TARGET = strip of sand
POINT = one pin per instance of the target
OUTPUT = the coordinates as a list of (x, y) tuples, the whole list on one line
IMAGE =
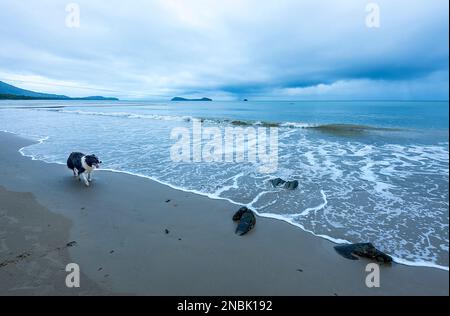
[(119, 225), (33, 249)]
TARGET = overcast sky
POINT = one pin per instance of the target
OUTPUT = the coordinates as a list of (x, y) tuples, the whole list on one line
[(228, 49)]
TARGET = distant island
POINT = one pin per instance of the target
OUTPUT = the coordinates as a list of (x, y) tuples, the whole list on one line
[(185, 99), (10, 92)]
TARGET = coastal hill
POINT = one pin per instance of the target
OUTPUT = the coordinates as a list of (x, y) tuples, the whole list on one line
[(185, 99), (10, 92)]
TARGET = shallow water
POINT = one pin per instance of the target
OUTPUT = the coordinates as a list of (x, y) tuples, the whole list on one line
[(368, 171)]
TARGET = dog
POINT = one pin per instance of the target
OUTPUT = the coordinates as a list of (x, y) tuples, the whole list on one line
[(81, 164)]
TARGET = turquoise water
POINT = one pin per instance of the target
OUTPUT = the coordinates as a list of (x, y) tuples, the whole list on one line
[(368, 171)]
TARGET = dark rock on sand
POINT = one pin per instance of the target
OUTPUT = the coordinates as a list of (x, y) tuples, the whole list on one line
[(71, 244), (277, 182), (237, 216), (247, 220), (291, 185), (365, 250)]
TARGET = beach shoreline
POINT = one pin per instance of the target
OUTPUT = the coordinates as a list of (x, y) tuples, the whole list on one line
[(119, 225)]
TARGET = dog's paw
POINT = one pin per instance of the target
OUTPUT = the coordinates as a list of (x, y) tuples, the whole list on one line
[(87, 183)]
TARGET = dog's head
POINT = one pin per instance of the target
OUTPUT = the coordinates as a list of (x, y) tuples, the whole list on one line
[(92, 161)]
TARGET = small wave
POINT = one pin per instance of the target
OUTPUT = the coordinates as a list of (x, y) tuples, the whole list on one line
[(351, 129), (185, 118), (297, 125), (341, 128), (255, 123), (129, 115)]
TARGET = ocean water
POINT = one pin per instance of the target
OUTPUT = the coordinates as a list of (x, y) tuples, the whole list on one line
[(367, 171)]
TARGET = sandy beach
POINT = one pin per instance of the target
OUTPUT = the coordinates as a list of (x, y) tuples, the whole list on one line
[(115, 231)]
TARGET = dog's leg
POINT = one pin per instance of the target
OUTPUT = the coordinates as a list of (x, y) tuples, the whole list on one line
[(86, 182), (89, 177), (76, 173)]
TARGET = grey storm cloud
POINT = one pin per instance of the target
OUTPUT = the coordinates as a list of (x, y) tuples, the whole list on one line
[(229, 48)]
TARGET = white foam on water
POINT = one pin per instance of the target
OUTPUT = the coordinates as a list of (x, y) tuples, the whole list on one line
[(228, 187), (257, 197), (128, 115), (297, 125), (316, 208)]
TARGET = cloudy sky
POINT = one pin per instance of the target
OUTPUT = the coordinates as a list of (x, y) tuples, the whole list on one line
[(228, 49)]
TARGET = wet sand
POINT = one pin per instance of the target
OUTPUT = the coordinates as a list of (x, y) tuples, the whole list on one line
[(121, 245)]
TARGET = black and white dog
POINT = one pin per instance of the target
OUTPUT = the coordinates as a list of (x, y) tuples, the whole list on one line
[(82, 164)]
